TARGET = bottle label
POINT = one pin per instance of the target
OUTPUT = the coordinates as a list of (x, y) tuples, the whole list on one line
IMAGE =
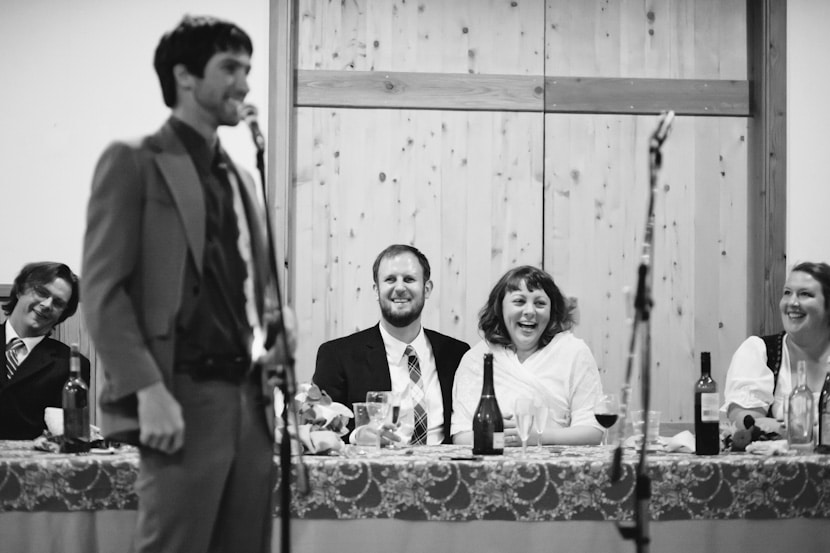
[(709, 407), (498, 440), (76, 423), (824, 439)]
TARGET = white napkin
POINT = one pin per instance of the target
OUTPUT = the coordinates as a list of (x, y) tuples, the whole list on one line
[(683, 442), (772, 447), (319, 441), (54, 420)]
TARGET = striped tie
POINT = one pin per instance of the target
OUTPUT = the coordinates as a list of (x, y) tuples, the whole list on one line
[(419, 435), (14, 349)]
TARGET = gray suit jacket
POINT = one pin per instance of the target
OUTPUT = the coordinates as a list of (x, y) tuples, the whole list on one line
[(145, 223)]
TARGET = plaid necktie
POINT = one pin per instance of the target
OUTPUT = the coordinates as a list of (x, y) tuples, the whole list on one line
[(419, 435), (14, 349)]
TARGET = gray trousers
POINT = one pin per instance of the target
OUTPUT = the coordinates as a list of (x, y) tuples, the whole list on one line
[(214, 495)]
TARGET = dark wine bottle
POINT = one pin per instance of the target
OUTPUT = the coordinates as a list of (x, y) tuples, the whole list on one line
[(75, 401), (707, 404), (824, 411), (488, 426)]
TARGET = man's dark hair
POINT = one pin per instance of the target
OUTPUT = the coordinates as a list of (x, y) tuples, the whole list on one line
[(820, 272), (398, 249), (491, 317), (192, 43), (41, 274)]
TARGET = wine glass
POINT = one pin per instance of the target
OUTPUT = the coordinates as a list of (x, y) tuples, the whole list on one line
[(377, 415), (524, 410), (540, 420), (385, 397), (606, 411)]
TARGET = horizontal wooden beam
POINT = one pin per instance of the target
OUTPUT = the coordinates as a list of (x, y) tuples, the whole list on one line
[(475, 92), (647, 96), (442, 91)]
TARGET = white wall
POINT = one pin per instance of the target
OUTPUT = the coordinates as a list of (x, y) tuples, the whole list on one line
[(808, 131), (75, 75)]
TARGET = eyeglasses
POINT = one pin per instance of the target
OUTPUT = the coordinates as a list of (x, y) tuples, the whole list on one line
[(41, 293)]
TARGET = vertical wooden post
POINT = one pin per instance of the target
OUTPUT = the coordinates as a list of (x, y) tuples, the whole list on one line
[(281, 124), (766, 37)]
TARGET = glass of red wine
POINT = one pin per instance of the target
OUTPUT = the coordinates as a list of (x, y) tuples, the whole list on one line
[(606, 411)]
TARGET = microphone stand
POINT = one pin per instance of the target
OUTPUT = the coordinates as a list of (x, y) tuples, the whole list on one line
[(641, 327), (288, 382)]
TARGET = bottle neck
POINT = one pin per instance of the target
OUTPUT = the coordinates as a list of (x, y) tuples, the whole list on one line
[(705, 365), (487, 388), (801, 374)]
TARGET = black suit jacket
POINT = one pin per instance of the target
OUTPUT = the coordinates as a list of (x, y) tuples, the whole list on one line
[(36, 385), (349, 367)]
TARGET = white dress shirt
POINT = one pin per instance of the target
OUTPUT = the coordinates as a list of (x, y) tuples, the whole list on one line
[(399, 374)]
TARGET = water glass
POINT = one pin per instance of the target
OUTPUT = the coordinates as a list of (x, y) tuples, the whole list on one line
[(364, 431), (653, 437)]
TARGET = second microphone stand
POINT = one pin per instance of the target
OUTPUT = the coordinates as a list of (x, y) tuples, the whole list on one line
[(641, 328)]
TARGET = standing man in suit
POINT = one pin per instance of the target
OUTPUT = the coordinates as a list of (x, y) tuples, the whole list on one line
[(36, 366), (397, 354), (176, 280)]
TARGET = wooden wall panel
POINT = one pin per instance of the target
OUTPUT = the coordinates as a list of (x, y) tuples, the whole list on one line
[(480, 191), (651, 39), (465, 188), (597, 184)]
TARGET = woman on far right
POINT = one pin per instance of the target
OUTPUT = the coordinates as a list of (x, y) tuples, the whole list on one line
[(762, 372)]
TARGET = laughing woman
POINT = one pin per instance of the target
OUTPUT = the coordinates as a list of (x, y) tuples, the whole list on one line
[(762, 371), (526, 326)]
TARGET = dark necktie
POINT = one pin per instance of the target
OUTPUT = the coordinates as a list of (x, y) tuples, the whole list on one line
[(14, 350), (419, 434)]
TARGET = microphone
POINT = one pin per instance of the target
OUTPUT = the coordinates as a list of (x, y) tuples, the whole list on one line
[(248, 113), (663, 129)]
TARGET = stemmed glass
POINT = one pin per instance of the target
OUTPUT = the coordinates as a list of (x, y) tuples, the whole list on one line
[(393, 406), (524, 410), (606, 411), (540, 420), (377, 415)]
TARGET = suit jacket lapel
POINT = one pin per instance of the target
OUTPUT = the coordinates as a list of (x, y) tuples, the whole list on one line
[(376, 360), (39, 359), (183, 182), (257, 232)]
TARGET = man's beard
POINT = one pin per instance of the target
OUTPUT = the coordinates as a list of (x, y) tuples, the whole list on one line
[(400, 320)]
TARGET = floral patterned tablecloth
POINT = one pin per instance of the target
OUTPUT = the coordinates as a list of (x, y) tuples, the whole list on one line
[(426, 483)]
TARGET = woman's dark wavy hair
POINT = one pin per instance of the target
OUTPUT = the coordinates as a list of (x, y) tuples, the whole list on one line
[(192, 43), (491, 317), (820, 272), (41, 274)]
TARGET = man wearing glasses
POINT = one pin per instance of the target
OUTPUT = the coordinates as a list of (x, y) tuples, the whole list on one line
[(35, 366)]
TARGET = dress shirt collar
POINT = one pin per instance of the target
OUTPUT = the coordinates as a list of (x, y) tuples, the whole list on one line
[(201, 152), (30, 342), (395, 349)]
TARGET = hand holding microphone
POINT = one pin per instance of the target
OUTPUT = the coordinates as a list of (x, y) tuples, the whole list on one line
[(248, 113)]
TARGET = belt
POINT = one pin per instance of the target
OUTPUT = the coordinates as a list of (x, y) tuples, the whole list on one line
[(217, 367)]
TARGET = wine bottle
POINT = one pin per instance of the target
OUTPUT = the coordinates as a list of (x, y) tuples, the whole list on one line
[(707, 403), (488, 426), (800, 412), (75, 399), (824, 410)]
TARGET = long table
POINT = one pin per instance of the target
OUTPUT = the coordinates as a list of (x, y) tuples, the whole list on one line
[(425, 499)]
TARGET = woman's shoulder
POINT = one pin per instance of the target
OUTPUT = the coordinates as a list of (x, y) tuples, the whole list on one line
[(567, 339), (477, 351)]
